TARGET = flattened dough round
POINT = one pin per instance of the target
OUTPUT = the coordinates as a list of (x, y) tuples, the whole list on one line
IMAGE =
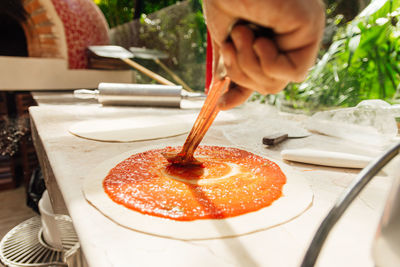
[(139, 128), (297, 197), (132, 129)]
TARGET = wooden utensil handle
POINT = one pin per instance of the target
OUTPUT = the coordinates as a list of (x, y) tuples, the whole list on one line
[(147, 72), (274, 139), (176, 77)]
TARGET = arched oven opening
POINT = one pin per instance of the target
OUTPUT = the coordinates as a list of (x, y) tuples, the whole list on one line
[(17, 159), (14, 41)]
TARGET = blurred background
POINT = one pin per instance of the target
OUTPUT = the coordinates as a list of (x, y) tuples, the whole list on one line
[(359, 57)]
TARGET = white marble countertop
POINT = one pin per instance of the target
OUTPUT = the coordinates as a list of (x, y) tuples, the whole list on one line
[(105, 243)]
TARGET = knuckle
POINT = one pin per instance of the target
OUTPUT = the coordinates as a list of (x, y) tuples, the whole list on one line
[(299, 75), (306, 20), (267, 89), (239, 79), (266, 67), (275, 90), (278, 86)]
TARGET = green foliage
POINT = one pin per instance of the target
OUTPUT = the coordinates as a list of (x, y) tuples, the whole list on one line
[(174, 27), (118, 12), (363, 62), (153, 6), (181, 32)]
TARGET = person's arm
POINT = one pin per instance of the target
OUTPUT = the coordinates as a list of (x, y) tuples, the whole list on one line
[(261, 64)]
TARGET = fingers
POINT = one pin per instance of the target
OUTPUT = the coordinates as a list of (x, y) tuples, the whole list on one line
[(233, 69), (261, 64), (246, 59), (234, 97), (289, 65), (283, 16), (243, 65)]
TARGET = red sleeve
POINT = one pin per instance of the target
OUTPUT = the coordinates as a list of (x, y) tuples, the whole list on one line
[(209, 56)]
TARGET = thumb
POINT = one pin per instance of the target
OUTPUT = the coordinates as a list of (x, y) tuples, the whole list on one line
[(235, 96)]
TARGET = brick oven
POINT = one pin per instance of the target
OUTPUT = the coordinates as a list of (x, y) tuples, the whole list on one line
[(57, 28), (43, 47)]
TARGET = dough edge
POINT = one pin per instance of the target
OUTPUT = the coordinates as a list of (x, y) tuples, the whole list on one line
[(297, 198), (127, 130)]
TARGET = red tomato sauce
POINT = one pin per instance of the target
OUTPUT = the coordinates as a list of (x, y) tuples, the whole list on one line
[(230, 182)]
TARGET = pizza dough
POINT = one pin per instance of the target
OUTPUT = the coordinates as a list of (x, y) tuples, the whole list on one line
[(132, 129), (297, 197), (139, 128)]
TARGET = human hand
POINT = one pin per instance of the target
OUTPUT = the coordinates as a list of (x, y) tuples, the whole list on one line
[(261, 64)]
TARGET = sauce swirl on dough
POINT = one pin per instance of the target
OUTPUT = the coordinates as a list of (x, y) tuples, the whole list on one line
[(230, 182)]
